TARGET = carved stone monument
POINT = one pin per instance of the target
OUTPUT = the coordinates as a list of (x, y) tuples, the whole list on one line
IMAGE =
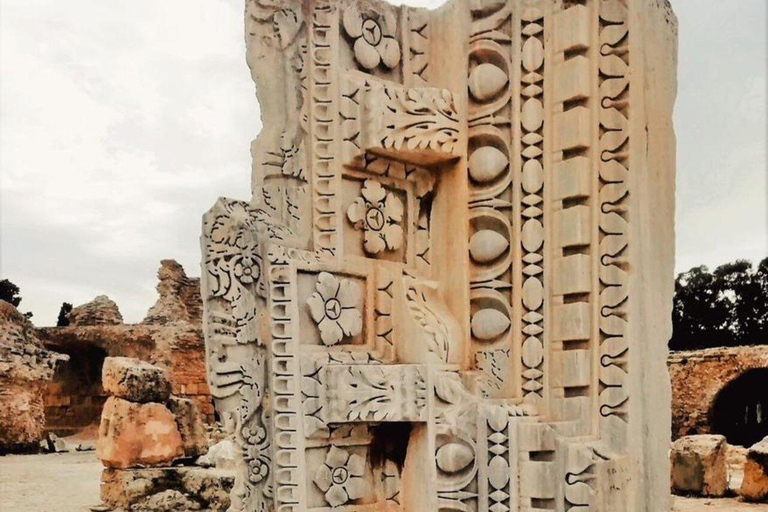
[(451, 289)]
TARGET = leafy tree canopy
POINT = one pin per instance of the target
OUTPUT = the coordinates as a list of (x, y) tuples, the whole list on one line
[(63, 321), (9, 292), (723, 308)]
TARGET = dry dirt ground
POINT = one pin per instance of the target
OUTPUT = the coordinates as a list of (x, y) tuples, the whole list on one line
[(69, 482)]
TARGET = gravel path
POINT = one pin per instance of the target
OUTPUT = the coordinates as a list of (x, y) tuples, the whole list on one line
[(69, 482)]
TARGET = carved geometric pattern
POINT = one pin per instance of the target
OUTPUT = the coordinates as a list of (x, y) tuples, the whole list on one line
[(426, 304)]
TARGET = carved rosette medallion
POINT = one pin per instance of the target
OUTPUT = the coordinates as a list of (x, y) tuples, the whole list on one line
[(451, 260)]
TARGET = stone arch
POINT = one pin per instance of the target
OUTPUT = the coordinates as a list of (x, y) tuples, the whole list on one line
[(740, 409), (699, 376)]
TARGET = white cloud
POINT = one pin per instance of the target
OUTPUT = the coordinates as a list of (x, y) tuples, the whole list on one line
[(123, 121)]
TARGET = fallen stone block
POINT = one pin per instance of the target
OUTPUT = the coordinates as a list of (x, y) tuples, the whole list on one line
[(132, 435), (190, 423), (754, 486), (222, 455), (699, 465), (135, 380), (131, 489)]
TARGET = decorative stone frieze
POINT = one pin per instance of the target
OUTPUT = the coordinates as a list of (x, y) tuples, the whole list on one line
[(451, 287)]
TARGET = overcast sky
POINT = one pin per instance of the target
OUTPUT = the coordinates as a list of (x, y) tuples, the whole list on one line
[(121, 122)]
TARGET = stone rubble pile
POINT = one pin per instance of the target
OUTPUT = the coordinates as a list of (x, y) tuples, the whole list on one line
[(100, 311), (147, 439), (706, 466)]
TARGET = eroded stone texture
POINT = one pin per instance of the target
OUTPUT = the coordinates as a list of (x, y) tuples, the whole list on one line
[(451, 288), (100, 311), (25, 368), (699, 376), (754, 487), (135, 380), (179, 299), (171, 337), (191, 426), (140, 489), (137, 434), (699, 465)]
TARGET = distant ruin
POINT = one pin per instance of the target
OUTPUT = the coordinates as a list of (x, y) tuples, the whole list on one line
[(170, 336), (721, 391)]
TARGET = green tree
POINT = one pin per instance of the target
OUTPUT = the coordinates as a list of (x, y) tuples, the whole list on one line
[(9, 292), (63, 321), (726, 307)]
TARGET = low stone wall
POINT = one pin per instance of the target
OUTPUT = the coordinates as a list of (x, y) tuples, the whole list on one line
[(699, 376)]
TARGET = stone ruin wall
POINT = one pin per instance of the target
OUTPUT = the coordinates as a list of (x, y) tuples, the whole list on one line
[(451, 288), (170, 336), (25, 369), (698, 377)]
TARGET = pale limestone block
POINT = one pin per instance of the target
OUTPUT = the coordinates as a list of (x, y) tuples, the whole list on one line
[(135, 380), (459, 258), (699, 466)]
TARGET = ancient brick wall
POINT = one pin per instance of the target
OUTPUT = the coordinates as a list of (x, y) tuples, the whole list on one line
[(170, 336), (699, 376)]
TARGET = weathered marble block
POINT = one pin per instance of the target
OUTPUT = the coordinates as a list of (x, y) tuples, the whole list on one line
[(451, 288)]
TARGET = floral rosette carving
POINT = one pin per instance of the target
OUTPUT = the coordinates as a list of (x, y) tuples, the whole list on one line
[(374, 36), (378, 214), (335, 308), (341, 477)]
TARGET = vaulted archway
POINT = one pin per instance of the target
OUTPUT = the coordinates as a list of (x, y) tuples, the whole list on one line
[(740, 410)]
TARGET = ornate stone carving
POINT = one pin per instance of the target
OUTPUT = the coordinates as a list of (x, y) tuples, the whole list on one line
[(448, 291)]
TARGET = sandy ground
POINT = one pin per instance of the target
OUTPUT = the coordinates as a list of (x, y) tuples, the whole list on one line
[(69, 482), (715, 505)]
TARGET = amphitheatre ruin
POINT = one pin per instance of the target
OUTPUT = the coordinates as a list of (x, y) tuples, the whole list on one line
[(449, 291)]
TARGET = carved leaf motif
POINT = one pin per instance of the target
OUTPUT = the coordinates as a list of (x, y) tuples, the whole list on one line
[(449, 388), (417, 119), (437, 334)]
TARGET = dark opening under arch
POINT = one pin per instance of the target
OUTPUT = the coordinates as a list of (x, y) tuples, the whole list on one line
[(740, 410)]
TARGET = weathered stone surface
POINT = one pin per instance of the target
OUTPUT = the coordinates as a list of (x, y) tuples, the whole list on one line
[(191, 426), (25, 367), (179, 299), (171, 337), (128, 488), (100, 311), (134, 435), (699, 465), (452, 285), (698, 376), (166, 501), (754, 486), (135, 380), (222, 455)]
